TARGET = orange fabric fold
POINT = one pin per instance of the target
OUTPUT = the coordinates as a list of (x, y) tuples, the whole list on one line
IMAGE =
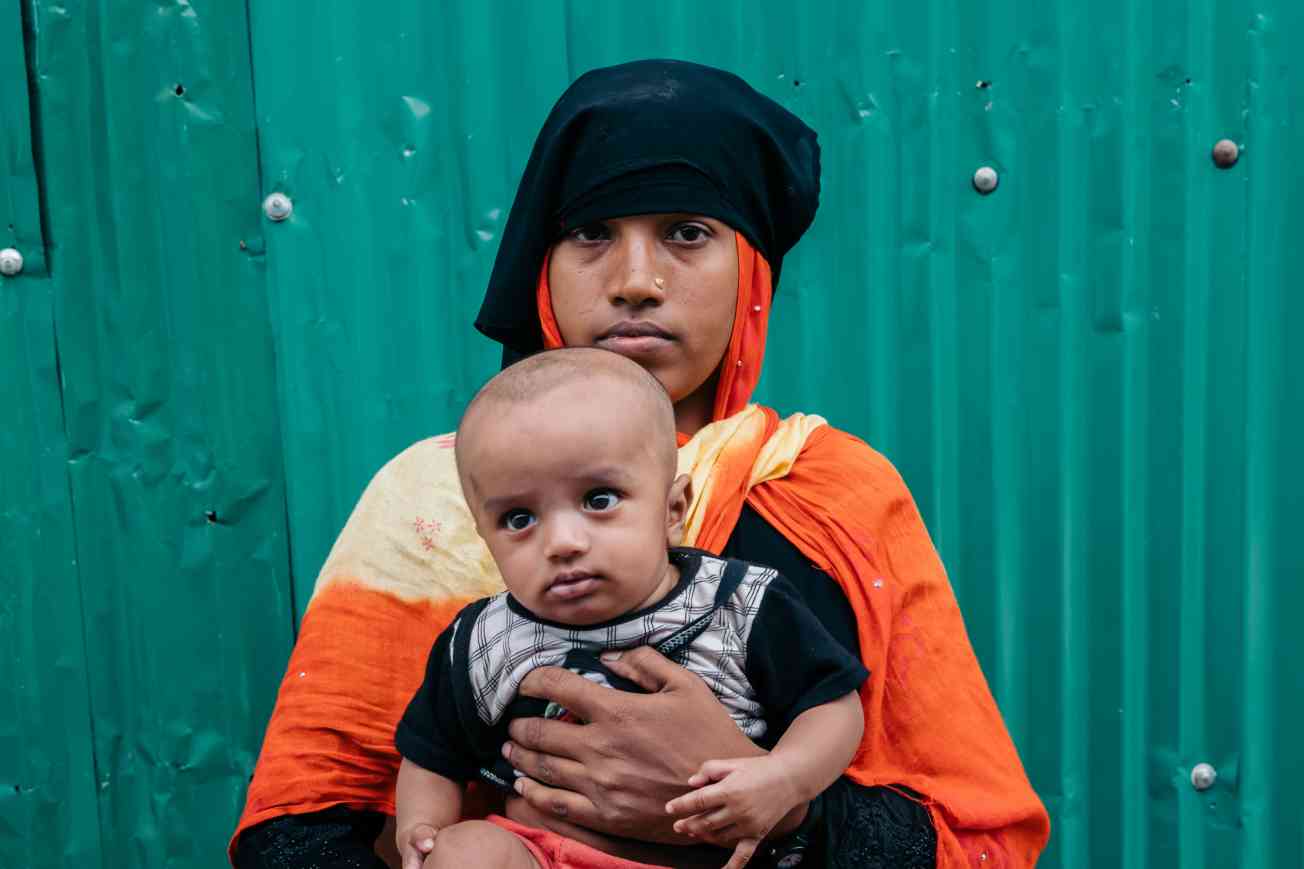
[(344, 669)]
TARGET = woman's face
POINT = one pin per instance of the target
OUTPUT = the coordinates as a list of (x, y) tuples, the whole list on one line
[(658, 288)]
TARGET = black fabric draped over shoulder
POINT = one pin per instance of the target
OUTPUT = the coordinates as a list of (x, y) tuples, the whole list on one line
[(652, 137)]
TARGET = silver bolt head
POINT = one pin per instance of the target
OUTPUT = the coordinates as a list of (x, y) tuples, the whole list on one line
[(985, 180), (1203, 776), (277, 207), (11, 262)]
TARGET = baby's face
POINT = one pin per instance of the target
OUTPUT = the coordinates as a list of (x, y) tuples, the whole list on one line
[(575, 503)]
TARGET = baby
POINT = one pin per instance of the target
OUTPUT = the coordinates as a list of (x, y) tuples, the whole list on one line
[(568, 464)]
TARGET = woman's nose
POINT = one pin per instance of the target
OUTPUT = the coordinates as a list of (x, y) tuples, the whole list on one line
[(566, 538), (635, 280)]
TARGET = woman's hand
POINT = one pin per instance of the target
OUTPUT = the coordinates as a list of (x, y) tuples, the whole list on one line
[(616, 773)]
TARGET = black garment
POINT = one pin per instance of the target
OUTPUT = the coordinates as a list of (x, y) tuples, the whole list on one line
[(334, 838), (851, 825), (630, 139), (742, 628)]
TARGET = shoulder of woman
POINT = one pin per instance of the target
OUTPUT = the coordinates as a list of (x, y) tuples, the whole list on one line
[(411, 534), (430, 460), (841, 456)]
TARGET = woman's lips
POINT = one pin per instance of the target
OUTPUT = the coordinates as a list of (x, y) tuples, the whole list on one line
[(635, 338), (573, 586), (633, 346)]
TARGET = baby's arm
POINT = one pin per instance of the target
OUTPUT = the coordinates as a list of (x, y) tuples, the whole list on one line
[(746, 797), (425, 802)]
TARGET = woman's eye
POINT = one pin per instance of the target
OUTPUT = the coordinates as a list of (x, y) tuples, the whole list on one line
[(601, 500), (690, 233), (518, 520), (589, 234)]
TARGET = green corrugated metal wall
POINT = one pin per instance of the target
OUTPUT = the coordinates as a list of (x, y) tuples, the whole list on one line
[(1091, 379)]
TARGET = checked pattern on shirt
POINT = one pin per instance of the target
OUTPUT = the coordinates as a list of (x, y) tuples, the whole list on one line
[(505, 645)]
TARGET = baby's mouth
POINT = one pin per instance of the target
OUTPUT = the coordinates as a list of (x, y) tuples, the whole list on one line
[(573, 585)]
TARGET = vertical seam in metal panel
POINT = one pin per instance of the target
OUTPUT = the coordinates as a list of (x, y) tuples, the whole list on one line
[(568, 19), (285, 483), (1134, 603), (1262, 369), (81, 597), (34, 116), (1193, 628), (38, 162), (1076, 845)]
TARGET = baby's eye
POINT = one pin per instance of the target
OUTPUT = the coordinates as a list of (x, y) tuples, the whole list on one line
[(601, 500), (517, 520)]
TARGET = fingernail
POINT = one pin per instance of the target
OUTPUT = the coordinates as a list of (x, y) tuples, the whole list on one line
[(610, 655), (427, 844), (518, 786), (507, 750)]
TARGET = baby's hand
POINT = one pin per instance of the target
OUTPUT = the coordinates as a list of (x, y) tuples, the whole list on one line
[(415, 843), (749, 796)]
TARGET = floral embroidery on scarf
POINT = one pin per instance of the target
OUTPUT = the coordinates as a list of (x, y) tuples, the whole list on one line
[(427, 530)]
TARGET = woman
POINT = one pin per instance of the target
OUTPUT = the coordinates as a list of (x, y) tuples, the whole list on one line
[(652, 220)]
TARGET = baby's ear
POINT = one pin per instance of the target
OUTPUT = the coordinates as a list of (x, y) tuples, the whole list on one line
[(681, 496)]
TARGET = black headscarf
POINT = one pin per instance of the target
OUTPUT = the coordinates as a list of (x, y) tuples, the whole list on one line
[(651, 137)]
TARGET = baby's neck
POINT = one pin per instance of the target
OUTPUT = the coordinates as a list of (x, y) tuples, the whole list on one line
[(665, 585)]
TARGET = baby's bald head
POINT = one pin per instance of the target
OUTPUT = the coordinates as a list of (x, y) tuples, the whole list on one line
[(576, 374)]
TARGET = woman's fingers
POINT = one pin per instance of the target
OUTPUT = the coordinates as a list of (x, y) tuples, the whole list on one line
[(645, 666), (572, 807), (571, 690), (742, 854), (548, 769), (558, 738)]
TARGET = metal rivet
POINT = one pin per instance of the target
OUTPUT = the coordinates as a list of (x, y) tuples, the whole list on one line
[(878, 583), (1203, 776), (277, 207), (985, 180), (740, 363), (11, 262), (756, 308), (1226, 153)]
